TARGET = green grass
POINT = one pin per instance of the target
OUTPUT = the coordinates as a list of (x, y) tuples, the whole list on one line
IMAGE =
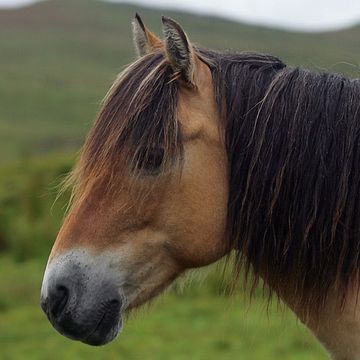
[(196, 323)]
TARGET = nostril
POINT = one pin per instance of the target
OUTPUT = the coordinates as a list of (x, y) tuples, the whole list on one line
[(115, 302), (57, 300)]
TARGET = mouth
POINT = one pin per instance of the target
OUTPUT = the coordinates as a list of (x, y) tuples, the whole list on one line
[(108, 327)]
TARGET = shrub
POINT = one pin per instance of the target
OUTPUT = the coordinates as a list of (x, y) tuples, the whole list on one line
[(28, 220)]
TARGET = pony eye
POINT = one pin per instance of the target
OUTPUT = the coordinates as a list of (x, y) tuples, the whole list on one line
[(150, 160)]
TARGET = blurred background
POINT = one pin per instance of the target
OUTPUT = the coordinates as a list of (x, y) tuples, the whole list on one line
[(57, 60)]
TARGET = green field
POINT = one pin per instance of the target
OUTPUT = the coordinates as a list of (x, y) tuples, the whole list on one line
[(57, 60)]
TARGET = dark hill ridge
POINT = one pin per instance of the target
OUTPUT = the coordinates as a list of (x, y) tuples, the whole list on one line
[(57, 59)]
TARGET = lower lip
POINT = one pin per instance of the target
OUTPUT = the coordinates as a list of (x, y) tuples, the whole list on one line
[(106, 330)]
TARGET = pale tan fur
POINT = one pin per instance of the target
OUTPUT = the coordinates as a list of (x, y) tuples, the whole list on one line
[(336, 325)]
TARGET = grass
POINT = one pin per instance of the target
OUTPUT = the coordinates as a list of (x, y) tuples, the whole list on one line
[(196, 323)]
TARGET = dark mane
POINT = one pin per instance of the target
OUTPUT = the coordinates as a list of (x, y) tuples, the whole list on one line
[(292, 141), (294, 159)]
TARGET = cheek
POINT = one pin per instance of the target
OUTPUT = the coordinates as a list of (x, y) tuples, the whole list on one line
[(196, 206)]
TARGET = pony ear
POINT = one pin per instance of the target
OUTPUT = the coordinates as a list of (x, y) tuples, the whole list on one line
[(179, 50), (145, 41)]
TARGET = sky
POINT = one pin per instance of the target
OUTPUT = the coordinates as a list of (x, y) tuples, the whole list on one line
[(305, 15)]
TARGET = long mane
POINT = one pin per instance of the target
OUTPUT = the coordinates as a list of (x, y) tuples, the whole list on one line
[(292, 138), (294, 157)]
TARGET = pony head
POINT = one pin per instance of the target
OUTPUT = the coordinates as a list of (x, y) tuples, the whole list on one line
[(149, 191)]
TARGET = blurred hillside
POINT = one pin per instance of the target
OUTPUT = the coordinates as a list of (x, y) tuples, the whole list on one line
[(59, 57)]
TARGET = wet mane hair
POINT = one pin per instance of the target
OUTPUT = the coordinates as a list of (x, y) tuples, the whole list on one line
[(292, 139)]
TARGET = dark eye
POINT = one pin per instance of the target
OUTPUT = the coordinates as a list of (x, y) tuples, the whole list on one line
[(150, 160)]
